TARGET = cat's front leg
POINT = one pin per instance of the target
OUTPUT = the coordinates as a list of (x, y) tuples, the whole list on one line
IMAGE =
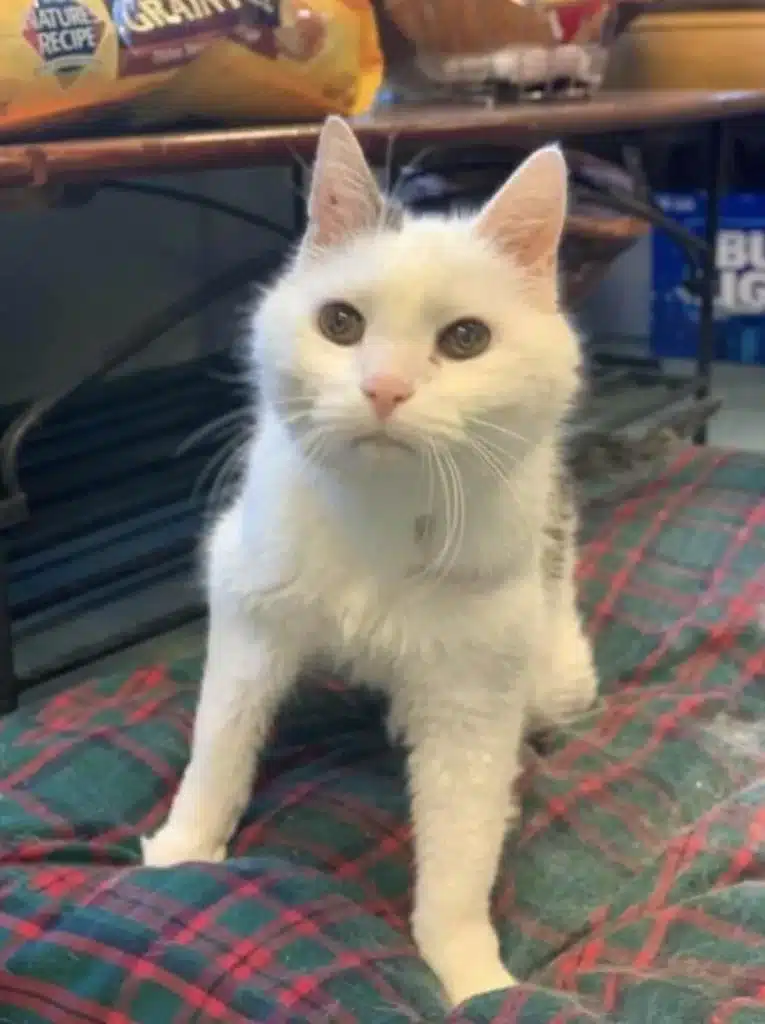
[(568, 688), (464, 759), (249, 666)]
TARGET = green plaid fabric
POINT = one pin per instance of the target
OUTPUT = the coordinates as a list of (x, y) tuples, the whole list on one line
[(633, 892)]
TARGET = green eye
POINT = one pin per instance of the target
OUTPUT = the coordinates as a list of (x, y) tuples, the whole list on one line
[(341, 323), (464, 339)]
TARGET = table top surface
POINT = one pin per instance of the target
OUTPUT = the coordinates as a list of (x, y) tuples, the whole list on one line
[(39, 163)]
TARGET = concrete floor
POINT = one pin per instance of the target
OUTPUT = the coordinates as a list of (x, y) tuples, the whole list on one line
[(168, 647), (741, 420)]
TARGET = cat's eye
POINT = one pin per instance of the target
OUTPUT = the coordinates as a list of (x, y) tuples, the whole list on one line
[(341, 323), (464, 339)]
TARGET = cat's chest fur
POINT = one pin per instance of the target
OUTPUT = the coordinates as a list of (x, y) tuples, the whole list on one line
[(367, 574)]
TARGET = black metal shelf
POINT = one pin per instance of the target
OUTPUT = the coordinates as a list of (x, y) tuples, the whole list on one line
[(108, 555)]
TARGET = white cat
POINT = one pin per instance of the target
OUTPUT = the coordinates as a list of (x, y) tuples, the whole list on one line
[(404, 516)]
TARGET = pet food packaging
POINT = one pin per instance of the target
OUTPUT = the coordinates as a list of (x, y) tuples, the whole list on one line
[(546, 45), (68, 61)]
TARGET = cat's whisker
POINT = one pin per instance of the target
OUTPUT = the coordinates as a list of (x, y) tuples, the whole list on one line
[(229, 421), (464, 507), (499, 428), (500, 452), (289, 399), (459, 525), (504, 455), (319, 451), (460, 509), (215, 464), (241, 377), (494, 455), (295, 417), (491, 460), (505, 480), (412, 167), (447, 507), (211, 467), (431, 476), (287, 413), (301, 161), (450, 502), (448, 550), (292, 406), (314, 443), (438, 484), (225, 479)]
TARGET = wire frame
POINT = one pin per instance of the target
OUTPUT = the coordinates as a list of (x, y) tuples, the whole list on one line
[(499, 50)]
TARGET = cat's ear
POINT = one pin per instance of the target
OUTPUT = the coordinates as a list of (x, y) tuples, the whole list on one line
[(345, 199), (526, 218)]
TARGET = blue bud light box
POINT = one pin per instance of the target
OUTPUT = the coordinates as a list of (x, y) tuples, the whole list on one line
[(740, 299)]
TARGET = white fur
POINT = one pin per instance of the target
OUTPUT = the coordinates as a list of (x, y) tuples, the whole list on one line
[(320, 558)]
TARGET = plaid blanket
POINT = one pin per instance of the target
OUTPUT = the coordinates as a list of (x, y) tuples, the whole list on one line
[(633, 892)]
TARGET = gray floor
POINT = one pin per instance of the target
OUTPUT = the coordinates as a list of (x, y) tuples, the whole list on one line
[(741, 421), (740, 424)]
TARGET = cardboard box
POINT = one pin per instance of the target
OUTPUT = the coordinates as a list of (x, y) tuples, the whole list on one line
[(740, 298)]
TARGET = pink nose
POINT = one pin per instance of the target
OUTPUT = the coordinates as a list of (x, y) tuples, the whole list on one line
[(385, 393)]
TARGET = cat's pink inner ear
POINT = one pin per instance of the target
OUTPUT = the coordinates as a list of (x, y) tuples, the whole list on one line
[(345, 199), (526, 218)]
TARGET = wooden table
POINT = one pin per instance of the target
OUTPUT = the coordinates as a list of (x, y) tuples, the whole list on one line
[(62, 168)]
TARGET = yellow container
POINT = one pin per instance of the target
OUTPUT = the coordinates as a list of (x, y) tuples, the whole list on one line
[(691, 50)]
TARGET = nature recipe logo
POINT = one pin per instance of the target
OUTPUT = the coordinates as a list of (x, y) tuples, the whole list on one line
[(65, 34)]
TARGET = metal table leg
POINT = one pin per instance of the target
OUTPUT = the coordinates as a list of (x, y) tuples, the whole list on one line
[(9, 684), (300, 184), (716, 159)]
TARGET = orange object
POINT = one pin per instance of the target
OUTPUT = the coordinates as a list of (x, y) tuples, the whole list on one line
[(158, 59), (720, 48)]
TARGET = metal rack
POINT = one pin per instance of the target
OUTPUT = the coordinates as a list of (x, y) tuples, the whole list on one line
[(116, 507)]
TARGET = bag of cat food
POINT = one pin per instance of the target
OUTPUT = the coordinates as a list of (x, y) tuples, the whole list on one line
[(64, 61)]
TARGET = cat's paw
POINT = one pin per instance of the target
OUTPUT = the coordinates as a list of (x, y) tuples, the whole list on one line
[(464, 957), (570, 686), (171, 846), (563, 705), (476, 979)]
